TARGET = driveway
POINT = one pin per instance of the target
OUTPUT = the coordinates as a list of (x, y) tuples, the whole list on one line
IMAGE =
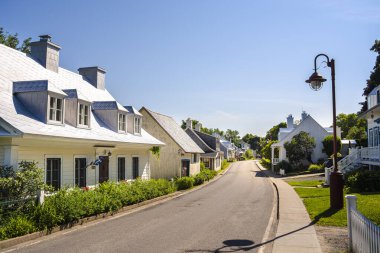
[(228, 215)]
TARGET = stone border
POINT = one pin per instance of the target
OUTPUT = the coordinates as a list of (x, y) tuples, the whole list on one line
[(97, 218)]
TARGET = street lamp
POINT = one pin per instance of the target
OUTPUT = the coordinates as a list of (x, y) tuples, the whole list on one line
[(336, 178)]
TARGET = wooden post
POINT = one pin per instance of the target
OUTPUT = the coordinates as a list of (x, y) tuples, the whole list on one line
[(40, 196), (351, 204)]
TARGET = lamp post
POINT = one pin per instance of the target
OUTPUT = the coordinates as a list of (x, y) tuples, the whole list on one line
[(336, 178)]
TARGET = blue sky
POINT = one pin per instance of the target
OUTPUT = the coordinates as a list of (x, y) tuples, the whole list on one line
[(230, 64)]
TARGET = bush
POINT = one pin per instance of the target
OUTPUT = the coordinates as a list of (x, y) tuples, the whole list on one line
[(17, 226), (70, 205), (199, 179), (363, 181), (225, 164), (184, 183), (315, 168), (328, 145), (284, 165), (266, 163)]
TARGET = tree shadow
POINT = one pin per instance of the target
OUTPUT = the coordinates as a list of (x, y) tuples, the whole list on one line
[(236, 245), (260, 173)]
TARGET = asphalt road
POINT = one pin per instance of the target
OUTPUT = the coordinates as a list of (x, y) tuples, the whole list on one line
[(228, 215)]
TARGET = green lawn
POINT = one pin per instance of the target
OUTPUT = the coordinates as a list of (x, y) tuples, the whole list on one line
[(309, 183), (317, 203)]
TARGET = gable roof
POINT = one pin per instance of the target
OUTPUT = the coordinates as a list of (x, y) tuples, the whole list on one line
[(198, 140), (16, 66), (132, 110), (177, 134), (298, 129)]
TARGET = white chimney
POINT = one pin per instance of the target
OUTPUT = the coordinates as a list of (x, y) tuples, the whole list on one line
[(189, 123), (290, 121), (46, 53), (198, 127), (94, 75)]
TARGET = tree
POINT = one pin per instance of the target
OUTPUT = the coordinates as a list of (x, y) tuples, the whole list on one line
[(299, 148), (328, 145), (359, 134), (252, 140), (348, 121), (13, 41), (272, 134), (266, 151), (248, 154), (374, 78), (233, 136)]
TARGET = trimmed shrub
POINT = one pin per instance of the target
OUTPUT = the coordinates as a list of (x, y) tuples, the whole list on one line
[(184, 183), (315, 168), (363, 181), (17, 226), (284, 165), (199, 179)]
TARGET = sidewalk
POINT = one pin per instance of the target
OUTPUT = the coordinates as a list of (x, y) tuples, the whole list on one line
[(295, 233)]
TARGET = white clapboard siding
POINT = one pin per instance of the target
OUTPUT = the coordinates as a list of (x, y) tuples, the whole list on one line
[(1, 156), (67, 162)]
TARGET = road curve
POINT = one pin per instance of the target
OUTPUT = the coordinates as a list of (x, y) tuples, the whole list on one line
[(228, 215)]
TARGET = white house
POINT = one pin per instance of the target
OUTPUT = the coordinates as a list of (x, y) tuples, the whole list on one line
[(213, 156), (307, 124), (367, 155), (67, 122)]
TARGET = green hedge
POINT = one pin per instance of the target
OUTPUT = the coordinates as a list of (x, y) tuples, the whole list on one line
[(70, 205), (315, 168), (184, 183), (266, 163), (363, 181)]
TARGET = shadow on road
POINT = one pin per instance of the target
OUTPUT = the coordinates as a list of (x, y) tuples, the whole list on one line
[(237, 245), (259, 173)]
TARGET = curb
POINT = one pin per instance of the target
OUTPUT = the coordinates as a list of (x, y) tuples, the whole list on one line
[(104, 216), (275, 214)]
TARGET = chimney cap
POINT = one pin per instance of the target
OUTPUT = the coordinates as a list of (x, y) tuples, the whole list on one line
[(45, 37), (94, 67)]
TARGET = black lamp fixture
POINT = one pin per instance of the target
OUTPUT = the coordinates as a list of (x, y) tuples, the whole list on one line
[(315, 82)]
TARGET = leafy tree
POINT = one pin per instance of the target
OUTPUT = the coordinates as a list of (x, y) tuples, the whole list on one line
[(248, 154), (203, 129), (374, 78), (328, 145), (359, 134), (232, 135), (252, 140), (266, 151), (11, 40), (272, 134), (184, 126), (348, 121), (299, 148)]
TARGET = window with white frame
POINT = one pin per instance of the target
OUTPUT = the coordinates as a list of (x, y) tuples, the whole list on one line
[(84, 112), (56, 109), (122, 122), (137, 125)]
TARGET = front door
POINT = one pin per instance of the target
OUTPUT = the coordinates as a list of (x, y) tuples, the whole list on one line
[(103, 169), (185, 168)]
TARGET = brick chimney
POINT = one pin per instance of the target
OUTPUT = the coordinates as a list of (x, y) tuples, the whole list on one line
[(46, 53), (94, 75)]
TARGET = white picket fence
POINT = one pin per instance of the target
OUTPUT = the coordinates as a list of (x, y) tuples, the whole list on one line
[(364, 235)]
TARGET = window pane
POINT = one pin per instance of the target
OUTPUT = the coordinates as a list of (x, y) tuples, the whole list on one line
[(53, 172), (59, 103), (58, 115), (121, 168)]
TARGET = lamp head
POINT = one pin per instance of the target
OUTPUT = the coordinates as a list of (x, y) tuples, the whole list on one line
[(316, 81)]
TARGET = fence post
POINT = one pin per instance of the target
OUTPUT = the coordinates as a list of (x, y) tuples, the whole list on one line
[(351, 204), (327, 176), (40, 196)]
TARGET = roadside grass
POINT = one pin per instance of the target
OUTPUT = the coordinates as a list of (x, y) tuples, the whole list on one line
[(317, 203), (306, 183)]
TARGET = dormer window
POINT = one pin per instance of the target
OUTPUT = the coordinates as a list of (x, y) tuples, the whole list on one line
[(137, 125), (56, 109), (122, 122), (83, 114)]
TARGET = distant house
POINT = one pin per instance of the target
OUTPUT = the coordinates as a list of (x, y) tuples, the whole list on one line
[(67, 122), (180, 156), (308, 125), (229, 149), (212, 156)]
